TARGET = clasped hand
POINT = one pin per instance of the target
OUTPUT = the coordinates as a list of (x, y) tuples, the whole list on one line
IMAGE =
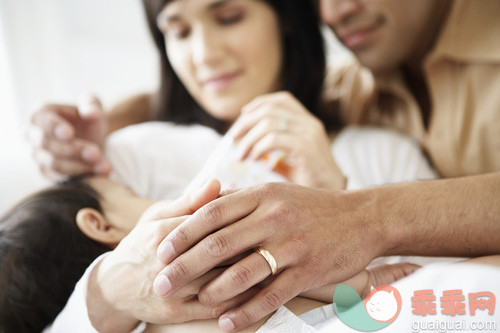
[(120, 290), (317, 238)]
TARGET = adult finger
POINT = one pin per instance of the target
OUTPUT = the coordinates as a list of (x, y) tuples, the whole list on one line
[(90, 107), (235, 280), (242, 125), (251, 270), (214, 215), (211, 251), (277, 97), (246, 122), (77, 149), (56, 120), (195, 310), (387, 274), (286, 286), (274, 141), (67, 167), (266, 126), (186, 204)]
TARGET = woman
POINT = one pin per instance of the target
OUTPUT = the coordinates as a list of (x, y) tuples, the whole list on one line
[(214, 62)]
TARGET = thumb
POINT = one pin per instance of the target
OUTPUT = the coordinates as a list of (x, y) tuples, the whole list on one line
[(185, 205), (90, 108), (204, 195)]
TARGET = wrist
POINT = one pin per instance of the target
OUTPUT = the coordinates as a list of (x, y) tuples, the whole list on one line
[(398, 212), (102, 291), (372, 209)]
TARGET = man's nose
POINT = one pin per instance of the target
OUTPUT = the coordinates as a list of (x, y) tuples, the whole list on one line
[(334, 12)]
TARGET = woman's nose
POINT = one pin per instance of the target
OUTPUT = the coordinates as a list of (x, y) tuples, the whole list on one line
[(207, 47), (334, 12)]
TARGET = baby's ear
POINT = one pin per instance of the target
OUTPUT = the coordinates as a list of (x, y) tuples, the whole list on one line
[(95, 226)]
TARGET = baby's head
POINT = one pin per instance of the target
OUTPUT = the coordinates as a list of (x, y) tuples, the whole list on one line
[(46, 243), (42, 255)]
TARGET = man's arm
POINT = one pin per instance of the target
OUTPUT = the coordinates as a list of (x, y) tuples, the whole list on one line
[(447, 217), (322, 237)]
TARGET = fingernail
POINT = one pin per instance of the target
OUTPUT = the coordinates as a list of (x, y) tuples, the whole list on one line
[(162, 285), (88, 105), (89, 154), (62, 132), (226, 324), (101, 168), (165, 252)]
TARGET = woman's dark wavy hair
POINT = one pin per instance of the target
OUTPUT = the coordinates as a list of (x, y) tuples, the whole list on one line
[(43, 254), (303, 68)]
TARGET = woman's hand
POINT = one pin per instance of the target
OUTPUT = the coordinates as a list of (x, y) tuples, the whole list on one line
[(120, 291), (317, 238), (67, 140), (279, 121)]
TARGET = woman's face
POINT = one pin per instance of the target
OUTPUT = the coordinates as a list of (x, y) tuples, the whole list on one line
[(226, 52)]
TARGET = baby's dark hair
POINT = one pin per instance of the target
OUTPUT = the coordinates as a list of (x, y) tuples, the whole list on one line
[(43, 254)]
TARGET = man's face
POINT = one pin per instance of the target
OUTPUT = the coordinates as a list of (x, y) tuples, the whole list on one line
[(384, 34)]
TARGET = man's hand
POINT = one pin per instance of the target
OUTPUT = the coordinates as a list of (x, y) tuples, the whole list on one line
[(316, 237)]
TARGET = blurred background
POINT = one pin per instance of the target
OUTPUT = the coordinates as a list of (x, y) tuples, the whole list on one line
[(57, 50)]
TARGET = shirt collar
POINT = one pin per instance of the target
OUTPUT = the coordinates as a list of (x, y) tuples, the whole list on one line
[(471, 32)]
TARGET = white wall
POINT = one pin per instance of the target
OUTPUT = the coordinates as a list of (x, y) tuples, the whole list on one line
[(56, 50)]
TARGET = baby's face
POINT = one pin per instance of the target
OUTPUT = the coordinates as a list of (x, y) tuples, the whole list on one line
[(122, 207)]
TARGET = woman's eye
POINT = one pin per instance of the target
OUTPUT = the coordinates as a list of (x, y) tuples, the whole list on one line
[(178, 32), (230, 18)]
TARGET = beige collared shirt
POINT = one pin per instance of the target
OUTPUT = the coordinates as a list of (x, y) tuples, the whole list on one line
[(463, 76)]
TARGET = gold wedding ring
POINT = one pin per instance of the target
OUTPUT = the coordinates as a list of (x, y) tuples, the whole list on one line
[(269, 258)]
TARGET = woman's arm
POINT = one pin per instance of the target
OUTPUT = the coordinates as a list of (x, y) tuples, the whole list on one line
[(133, 110)]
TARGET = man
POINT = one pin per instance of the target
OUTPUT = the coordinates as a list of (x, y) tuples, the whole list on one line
[(435, 74)]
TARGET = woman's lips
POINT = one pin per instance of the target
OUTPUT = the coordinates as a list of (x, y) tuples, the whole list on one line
[(220, 82)]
